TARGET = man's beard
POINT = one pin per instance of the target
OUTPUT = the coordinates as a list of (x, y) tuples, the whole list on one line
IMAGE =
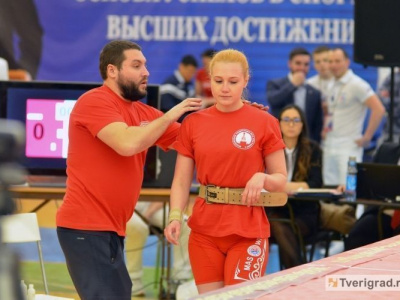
[(130, 90)]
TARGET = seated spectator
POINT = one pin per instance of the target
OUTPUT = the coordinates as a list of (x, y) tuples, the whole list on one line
[(365, 230), (303, 163), (179, 86), (137, 232)]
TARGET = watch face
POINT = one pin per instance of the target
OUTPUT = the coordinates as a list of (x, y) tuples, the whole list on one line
[(47, 127)]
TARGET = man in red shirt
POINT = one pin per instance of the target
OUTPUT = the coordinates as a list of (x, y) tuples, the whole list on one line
[(203, 83), (109, 134)]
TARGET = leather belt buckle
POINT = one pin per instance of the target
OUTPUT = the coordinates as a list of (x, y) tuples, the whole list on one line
[(209, 193)]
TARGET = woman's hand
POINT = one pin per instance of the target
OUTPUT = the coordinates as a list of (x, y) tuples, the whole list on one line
[(252, 191), (341, 188), (172, 232)]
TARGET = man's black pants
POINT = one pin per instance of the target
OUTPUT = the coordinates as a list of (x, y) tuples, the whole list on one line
[(95, 261)]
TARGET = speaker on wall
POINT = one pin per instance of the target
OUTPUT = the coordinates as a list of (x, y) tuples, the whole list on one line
[(376, 32)]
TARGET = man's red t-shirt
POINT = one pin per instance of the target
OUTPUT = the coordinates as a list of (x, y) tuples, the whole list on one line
[(103, 186), (204, 79)]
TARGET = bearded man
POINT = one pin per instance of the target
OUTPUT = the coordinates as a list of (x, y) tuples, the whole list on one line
[(110, 132)]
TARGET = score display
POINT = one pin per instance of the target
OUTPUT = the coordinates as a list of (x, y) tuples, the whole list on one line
[(47, 127)]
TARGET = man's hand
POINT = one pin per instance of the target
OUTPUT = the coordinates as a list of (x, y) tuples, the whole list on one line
[(363, 141), (207, 102), (298, 78), (384, 93), (189, 104), (257, 105)]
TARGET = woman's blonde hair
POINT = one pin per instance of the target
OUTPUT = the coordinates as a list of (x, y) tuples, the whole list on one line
[(231, 56)]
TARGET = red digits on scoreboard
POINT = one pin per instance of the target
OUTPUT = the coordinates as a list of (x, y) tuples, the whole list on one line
[(38, 131)]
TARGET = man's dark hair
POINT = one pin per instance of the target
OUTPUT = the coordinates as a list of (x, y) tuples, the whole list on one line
[(189, 60), (298, 51), (346, 55), (208, 53), (113, 53), (321, 49)]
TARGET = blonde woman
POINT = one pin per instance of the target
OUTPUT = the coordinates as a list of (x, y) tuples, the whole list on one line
[(232, 145)]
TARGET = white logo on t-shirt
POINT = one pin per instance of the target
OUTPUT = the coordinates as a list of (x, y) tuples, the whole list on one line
[(243, 139)]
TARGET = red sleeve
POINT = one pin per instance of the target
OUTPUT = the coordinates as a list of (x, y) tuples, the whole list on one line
[(199, 75), (166, 140), (169, 136), (95, 111), (274, 141), (183, 143)]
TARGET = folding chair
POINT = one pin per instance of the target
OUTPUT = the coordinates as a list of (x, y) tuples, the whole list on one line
[(23, 228)]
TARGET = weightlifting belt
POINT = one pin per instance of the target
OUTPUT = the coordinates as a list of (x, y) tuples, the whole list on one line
[(216, 194)]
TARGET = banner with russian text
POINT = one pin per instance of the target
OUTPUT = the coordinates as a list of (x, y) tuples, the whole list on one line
[(74, 31)]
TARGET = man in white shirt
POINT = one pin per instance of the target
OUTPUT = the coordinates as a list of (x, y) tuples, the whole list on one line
[(348, 101), (323, 80)]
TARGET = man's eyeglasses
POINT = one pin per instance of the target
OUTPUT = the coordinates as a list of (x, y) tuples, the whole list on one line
[(288, 120)]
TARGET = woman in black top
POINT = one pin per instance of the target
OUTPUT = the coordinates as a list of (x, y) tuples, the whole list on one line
[(304, 166)]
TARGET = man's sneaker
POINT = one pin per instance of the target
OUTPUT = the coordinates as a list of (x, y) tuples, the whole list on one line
[(137, 288)]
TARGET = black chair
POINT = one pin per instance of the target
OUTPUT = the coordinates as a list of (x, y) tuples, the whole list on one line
[(322, 236)]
